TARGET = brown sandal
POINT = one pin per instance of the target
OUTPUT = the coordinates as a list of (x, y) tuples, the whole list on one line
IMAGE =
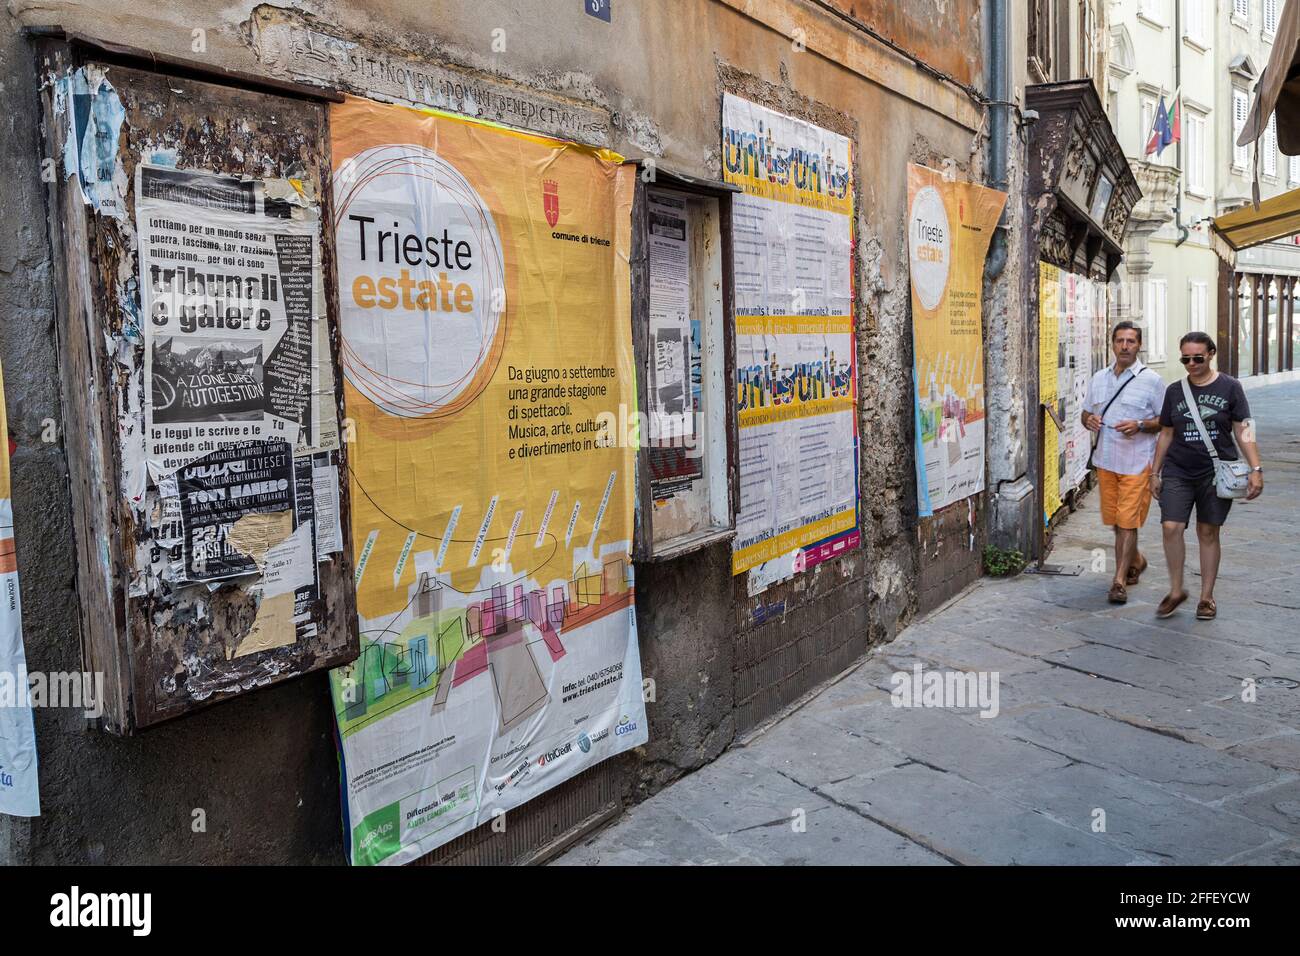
[(1169, 603), (1206, 610), (1135, 570), (1117, 595)]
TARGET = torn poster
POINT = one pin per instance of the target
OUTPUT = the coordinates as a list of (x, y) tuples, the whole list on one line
[(95, 117), (231, 294), (236, 504), (18, 790), (670, 319), (674, 400), (325, 484), (298, 558)]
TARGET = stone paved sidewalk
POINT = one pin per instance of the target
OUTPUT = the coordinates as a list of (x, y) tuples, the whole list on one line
[(1101, 708)]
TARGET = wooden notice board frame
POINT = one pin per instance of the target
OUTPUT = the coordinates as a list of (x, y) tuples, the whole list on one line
[(165, 648), (712, 304)]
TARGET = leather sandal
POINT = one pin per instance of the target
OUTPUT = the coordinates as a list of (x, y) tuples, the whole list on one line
[(1117, 595), (1169, 603), (1206, 610), (1135, 570)]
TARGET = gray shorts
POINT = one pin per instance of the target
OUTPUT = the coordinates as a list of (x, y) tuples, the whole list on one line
[(1178, 493)]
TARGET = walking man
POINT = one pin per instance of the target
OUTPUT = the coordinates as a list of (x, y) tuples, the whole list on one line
[(1123, 410), (1183, 473)]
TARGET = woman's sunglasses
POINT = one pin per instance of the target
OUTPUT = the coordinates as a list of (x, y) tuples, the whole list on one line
[(1198, 359)]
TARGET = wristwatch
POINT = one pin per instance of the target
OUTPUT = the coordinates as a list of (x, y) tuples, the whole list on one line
[(1258, 468)]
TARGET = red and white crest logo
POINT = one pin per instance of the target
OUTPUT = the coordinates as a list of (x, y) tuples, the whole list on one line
[(551, 201)]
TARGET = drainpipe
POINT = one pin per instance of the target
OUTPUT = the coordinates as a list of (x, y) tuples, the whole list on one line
[(998, 109), (1183, 231)]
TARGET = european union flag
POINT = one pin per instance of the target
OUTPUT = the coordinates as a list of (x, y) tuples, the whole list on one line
[(1162, 133)]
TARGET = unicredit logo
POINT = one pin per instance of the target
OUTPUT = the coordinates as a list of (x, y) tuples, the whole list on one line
[(555, 754)]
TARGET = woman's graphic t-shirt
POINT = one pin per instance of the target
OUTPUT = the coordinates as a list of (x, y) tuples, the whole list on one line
[(1220, 403)]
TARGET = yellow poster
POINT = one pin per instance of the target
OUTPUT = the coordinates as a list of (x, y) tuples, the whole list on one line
[(1049, 308), (486, 343), (796, 351), (948, 231)]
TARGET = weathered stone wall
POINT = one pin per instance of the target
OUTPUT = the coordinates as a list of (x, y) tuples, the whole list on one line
[(722, 661)]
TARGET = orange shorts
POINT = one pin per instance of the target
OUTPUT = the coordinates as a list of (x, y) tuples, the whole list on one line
[(1125, 499)]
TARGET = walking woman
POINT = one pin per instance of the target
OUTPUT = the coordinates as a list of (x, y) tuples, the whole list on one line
[(1183, 472)]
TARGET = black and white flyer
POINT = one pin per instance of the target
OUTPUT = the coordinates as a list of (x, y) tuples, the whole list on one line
[(231, 304), (236, 503)]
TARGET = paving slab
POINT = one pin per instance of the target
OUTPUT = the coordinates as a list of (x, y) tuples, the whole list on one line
[(654, 835), (1029, 640), (940, 738), (968, 824), (1139, 817), (966, 653), (1280, 704), (1279, 854), (735, 793), (1139, 670), (1281, 752), (819, 753), (1195, 771), (1214, 653), (1277, 807), (1187, 720), (831, 836)]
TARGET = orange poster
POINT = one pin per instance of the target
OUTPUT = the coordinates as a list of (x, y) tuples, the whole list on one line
[(948, 231), (487, 351)]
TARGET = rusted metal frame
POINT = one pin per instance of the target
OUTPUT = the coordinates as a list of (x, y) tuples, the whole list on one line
[(729, 358), (639, 276)]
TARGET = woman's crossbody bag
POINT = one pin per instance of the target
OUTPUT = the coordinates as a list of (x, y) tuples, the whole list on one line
[(1230, 477)]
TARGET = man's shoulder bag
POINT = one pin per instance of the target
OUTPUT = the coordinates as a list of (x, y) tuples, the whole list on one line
[(1096, 436)]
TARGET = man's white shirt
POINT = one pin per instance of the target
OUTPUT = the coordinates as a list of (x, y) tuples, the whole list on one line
[(1141, 400)]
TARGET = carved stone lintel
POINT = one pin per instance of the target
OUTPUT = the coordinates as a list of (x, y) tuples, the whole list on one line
[(1159, 185)]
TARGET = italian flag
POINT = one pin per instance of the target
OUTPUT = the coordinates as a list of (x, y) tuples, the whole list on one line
[(1166, 125)]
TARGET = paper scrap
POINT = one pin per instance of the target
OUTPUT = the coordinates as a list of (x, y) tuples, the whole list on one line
[(254, 535), (325, 490)]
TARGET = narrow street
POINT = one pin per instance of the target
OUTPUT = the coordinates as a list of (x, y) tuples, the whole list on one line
[(1118, 738)]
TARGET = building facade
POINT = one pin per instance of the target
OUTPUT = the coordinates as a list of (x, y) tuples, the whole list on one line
[(1212, 55), (721, 652)]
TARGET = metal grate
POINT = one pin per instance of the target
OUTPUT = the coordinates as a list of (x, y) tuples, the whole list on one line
[(543, 827)]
